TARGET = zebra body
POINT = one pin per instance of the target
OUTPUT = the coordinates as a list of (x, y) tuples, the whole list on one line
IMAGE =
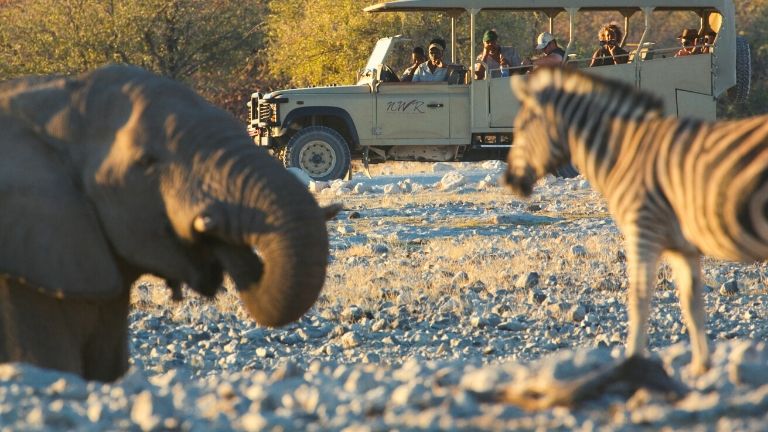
[(677, 188)]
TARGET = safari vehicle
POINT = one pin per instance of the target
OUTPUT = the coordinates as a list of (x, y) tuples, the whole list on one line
[(320, 129)]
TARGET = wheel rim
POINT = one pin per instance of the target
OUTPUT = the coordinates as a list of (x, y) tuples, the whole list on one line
[(317, 158)]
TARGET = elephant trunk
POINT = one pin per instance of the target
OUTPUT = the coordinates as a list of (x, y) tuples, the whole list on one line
[(279, 219), (294, 265)]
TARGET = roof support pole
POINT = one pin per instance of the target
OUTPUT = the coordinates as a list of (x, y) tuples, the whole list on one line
[(571, 19), (453, 39), (454, 16), (647, 11), (472, 13)]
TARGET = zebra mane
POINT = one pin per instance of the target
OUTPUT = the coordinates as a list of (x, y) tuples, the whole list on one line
[(599, 90)]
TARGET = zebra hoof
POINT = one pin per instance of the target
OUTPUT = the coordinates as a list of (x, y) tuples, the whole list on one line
[(623, 379)]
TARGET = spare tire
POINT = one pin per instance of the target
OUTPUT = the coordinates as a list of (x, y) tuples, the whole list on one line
[(743, 70)]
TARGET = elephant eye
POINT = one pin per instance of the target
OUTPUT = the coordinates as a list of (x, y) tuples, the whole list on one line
[(146, 161)]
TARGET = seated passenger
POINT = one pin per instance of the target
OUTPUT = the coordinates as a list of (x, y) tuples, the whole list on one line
[(706, 40), (417, 58), (610, 52), (433, 69), (491, 57), (688, 40), (552, 54)]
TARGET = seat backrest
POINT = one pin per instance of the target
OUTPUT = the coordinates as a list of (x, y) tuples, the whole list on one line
[(457, 74)]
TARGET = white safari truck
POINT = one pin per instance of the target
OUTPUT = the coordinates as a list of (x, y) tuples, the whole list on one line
[(321, 129)]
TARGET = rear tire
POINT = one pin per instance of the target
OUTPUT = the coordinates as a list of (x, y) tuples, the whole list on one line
[(743, 70), (319, 151)]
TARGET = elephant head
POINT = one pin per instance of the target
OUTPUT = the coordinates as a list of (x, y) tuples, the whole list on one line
[(118, 172)]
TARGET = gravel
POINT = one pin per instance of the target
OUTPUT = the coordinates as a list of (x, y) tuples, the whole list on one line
[(395, 357)]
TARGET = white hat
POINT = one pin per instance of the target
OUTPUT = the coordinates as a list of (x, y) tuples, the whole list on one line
[(543, 40), (435, 45)]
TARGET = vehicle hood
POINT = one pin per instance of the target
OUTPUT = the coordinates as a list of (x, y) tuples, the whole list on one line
[(308, 91)]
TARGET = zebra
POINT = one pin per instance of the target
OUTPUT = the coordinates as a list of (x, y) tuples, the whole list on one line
[(676, 188)]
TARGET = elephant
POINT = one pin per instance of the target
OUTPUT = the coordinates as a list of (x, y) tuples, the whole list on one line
[(116, 173)]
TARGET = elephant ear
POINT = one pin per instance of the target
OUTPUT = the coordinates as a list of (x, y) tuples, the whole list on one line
[(50, 235)]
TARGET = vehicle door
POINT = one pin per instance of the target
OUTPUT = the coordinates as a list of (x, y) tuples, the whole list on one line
[(413, 111)]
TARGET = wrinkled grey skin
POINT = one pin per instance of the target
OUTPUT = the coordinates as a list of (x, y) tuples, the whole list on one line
[(117, 173)]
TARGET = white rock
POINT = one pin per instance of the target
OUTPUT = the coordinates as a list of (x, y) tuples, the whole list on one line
[(360, 188), (359, 382), (410, 393), (94, 412), (417, 187), (452, 181), (338, 184), (494, 165), (254, 422), (350, 340), (548, 180), (303, 177), (345, 229), (35, 417), (748, 364), (317, 186), (484, 380), (143, 411), (463, 404), (490, 180), (307, 397), (390, 189), (442, 167)]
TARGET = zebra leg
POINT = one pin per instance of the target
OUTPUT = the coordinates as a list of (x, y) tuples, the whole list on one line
[(687, 271), (642, 259)]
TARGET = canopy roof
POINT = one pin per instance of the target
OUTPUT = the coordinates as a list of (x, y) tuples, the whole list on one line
[(458, 6)]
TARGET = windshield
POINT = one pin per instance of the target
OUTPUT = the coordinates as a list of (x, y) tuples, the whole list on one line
[(390, 51), (380, 51)]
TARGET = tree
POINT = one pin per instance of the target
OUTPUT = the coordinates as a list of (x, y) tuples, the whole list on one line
[(320, 42), (202, 42)]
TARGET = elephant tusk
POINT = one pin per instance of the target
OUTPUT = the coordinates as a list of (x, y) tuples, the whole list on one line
[(203, 224)]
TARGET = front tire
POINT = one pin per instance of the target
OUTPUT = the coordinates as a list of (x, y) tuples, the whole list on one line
[(319, 151)]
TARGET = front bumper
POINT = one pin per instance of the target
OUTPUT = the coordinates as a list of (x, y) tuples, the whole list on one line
[(261, 136)]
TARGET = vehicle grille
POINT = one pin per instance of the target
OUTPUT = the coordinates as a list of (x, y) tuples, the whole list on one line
[(265, 113), (252, 109)]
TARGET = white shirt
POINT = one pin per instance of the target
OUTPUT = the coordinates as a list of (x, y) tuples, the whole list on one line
[(423, 73)]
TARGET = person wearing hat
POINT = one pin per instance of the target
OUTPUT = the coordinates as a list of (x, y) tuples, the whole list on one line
[(435, 68), (417, 58), (553, 55), (688, 39), (491, 57)]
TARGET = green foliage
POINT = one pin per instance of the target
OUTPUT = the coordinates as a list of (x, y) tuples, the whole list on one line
[(203, 42), (314, 42)]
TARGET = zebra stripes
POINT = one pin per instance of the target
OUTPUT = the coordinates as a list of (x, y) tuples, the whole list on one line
[(677, 188)]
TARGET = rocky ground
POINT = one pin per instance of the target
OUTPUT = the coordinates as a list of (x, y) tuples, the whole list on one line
[(442, 292)]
